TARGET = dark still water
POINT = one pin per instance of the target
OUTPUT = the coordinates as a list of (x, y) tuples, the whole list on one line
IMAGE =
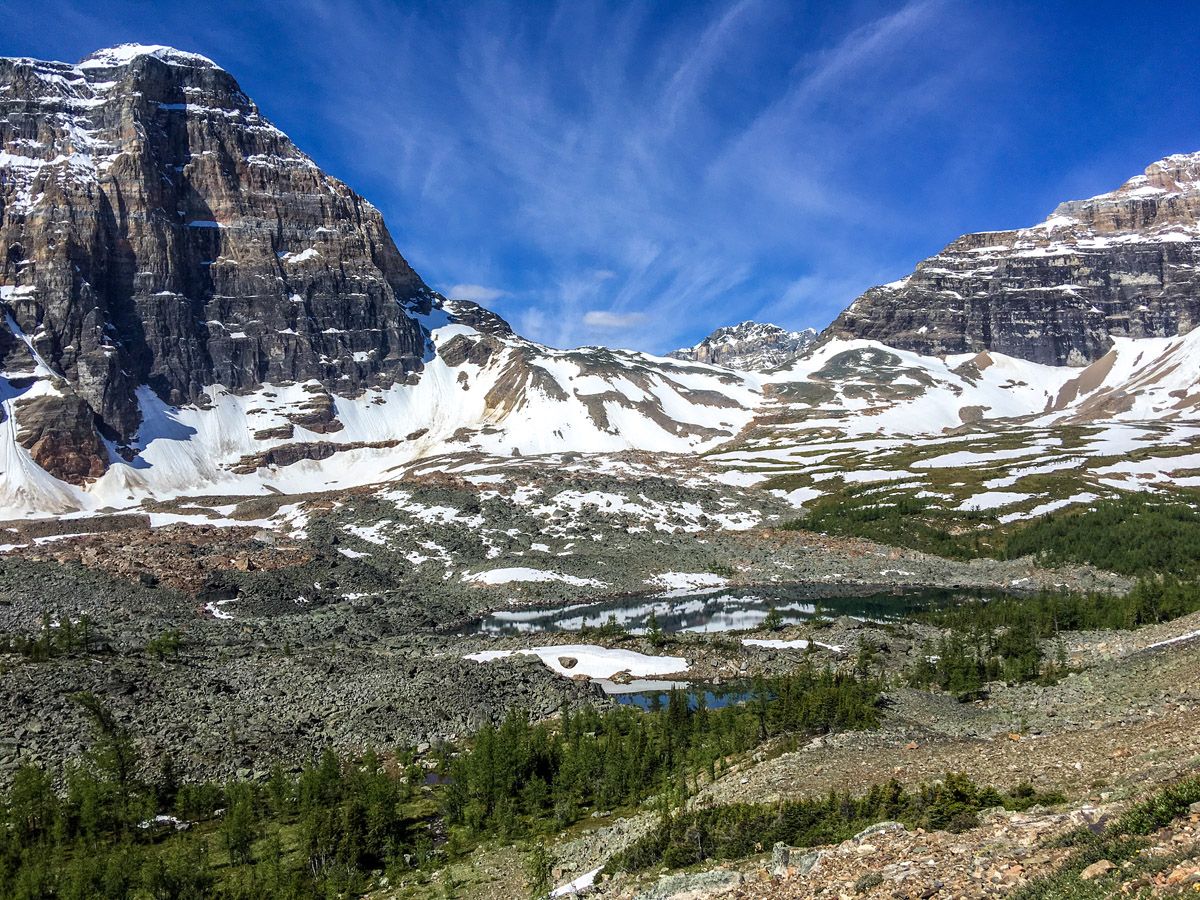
[(725, 609), (654, 695)]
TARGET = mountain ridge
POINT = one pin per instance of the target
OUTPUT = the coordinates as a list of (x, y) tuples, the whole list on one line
[(1121, 264)]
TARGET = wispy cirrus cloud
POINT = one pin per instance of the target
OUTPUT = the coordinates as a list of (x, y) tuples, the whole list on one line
[(605, 320), (625, 161)]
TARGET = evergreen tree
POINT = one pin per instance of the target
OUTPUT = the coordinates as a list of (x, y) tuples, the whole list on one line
[(654, 632), (237, 825), (538, 864)]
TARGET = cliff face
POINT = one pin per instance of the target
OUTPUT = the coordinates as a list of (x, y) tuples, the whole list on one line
[(749, 346), (156, 230), (1123, 264)]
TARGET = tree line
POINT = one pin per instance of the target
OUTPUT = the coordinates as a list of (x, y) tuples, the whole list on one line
[(522, 777), (313, 834), (688, 837), (1134, 533), (1004, 638)]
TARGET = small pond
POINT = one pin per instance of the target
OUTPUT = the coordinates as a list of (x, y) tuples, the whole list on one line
[(652, 695)]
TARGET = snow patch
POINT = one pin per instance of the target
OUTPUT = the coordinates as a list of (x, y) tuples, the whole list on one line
[(687, 580), (523, 573), (593, 661), (799, 644)]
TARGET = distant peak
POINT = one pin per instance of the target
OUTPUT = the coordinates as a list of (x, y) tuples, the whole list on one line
[(756, 328), (750, 346), (123, 54)]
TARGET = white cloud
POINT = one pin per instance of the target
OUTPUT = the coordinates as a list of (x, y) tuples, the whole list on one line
[(531, 323), (611, 321), (476, 293)]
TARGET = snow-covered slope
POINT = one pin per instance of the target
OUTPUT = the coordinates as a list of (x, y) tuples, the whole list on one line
[(496, 394), (982, 433), (862, 386), (483, 390)]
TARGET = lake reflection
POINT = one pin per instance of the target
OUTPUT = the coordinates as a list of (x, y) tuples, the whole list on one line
[(655, 695), (715, 610)]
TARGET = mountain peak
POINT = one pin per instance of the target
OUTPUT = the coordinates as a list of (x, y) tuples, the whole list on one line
[(749, 346), (233, 262), (1124, 264), (1165, 196), (124, 54)]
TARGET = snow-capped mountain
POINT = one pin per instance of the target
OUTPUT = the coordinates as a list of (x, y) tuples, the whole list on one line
[(1122, 264), (191, 306), (160, 233), (749, 346), (187, 298)]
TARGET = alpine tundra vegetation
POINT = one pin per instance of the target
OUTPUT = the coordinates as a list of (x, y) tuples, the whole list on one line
[(318, 581)]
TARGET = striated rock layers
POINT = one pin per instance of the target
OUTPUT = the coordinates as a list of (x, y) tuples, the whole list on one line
[(750, 346), (156, 230), (1126, 263)]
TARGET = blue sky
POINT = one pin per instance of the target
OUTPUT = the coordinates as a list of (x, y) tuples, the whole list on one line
[(640, 173)]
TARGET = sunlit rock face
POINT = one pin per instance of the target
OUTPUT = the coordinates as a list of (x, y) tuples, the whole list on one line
[(157, 230), (1123, 264)]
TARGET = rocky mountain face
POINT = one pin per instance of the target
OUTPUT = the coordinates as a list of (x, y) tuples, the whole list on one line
[(156, 230), (749, 346), (1122, 264)]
